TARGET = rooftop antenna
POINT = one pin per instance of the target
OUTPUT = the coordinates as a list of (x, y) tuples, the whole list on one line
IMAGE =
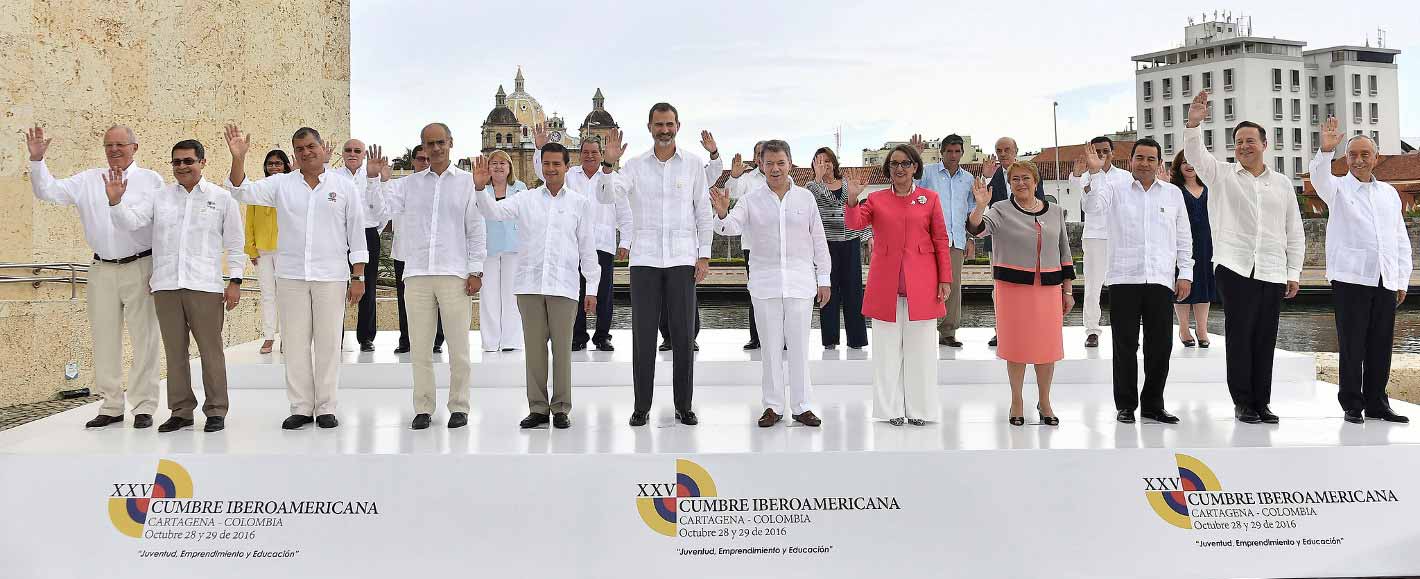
[(837, 139), (1380, 38)]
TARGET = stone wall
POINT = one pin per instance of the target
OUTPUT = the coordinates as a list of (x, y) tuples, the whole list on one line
[(171, 72)]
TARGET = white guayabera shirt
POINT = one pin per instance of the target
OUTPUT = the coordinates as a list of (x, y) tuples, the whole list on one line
[(789, 258)]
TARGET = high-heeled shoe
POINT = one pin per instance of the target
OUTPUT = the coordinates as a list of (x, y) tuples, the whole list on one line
[(1047, 420), (897, 421), (1016, 420), (916, 421)]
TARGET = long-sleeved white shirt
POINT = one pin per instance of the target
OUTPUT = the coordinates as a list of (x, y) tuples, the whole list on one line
[(1150, 237), (789, 258), (670, 208), (190, 232), (317, 229), (85, 191), (1097, 224), (373, 217), (740, 186), (556, 236), (607, 219), (1366, 239), (440, 230), (1257, 225)]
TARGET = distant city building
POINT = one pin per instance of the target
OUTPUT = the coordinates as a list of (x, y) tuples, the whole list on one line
[(1272, 82), (1057, 184), (932, 152), (509, 127)]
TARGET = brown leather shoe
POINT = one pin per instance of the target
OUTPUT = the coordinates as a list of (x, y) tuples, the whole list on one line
[(807, 418), (1092, 341), (769, 418)]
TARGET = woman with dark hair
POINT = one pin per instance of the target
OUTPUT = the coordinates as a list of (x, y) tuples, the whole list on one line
[(908, 283), (261, 248), (1195, 199), (846, 254)]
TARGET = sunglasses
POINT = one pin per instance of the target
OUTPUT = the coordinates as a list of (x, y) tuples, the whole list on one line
[(356, 151), (422, 159), (184, 161)]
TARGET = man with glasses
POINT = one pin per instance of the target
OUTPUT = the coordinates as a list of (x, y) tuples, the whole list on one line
[(119, 277), (194, 222), (353, 157), (420, 161)]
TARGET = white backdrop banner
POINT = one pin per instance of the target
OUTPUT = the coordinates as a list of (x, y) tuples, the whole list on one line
[(1285, 512)]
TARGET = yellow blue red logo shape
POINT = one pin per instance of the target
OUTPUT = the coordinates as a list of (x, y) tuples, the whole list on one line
[(130, 513), (1172, 505), (659, 509)]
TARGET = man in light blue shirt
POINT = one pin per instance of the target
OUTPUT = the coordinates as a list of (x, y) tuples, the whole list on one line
[(953, 184)]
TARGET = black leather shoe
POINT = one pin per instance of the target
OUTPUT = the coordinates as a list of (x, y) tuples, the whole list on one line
[(687, 418), (752, 345), (175, 423), (438, 349), (1387, 415), (1354, 417), (1125, 416), (402, 349), (535, 420), (296, 421), (664, 347), (604, 345), (769, 418), (638, 419), (420, 422), (327, 421), (1266, 415), (949, 341), (367, 346), (1245, 414), (458, 420), (830, 346), (1159, 416), (579, 346), (102, 420), (141, 421), (1092, 341), (695, 345), (560, 420), (214, 424), (992, 343)]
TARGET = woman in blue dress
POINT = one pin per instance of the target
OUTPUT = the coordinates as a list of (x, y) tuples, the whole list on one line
[(1195, 198)]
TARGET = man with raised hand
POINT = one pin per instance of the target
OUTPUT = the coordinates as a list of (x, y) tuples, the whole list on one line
[(1096, 237), (352, 157)]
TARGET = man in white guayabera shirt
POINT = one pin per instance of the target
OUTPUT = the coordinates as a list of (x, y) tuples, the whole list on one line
[(1368, 263), (790, 270), (118, 279), (319, 226), (195, 223)]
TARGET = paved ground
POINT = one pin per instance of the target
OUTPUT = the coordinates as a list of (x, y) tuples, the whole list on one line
[(13, 416)]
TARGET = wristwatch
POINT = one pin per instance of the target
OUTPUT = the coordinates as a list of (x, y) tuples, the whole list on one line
[(477, 274), (356, 277), (235, 280), (608, 165)]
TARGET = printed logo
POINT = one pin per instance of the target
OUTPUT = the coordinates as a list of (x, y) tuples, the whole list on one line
[(657, 501), (1168, 496), (128, 505)]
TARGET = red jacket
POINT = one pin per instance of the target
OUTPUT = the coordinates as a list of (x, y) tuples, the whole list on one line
[(908, 232)]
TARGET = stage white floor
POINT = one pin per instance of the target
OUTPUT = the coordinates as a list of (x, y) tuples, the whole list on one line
[(376, 422), (722, 361)]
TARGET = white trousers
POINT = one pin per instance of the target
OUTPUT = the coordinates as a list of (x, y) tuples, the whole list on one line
[(498, 322), (266, 277), (782, 320), (905, 368), (426, 299), (1096, 268), (312, 322), (119, 295)]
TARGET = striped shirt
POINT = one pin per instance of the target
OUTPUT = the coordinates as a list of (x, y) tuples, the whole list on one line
[(830, 208)]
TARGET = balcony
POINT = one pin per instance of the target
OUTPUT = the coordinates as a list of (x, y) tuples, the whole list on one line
[(1296, 146), (1228, 87), (1276, 87)]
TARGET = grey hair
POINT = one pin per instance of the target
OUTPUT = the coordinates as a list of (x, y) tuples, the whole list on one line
[(778, 146), (595, 139), (132, 138), (1374, 144)]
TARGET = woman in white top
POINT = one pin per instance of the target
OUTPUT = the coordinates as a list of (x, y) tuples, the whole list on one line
[(498, 321)]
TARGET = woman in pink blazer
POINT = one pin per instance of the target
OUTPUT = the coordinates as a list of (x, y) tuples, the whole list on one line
[(907, 288)]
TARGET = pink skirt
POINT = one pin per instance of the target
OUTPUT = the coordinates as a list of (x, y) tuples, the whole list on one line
[(1029, 323)]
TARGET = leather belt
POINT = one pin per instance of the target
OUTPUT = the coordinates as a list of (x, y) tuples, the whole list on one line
[(129, 259)]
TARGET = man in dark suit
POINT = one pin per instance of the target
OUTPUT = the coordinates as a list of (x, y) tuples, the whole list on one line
[(1005, 155)]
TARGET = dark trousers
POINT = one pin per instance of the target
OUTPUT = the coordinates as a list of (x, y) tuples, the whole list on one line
[(1365, 331), (846, 295), (753, 330), (403, 317), (365, 314), (1130, 306), (654, 289), (666, 316), (603, 330), (1252, 309)]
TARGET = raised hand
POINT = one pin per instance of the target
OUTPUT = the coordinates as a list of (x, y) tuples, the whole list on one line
[(720, 201), (37, 143), (1164, 175), (737, 166), (989, 166), (1080, 168), (707, 140), (854, 189), (539, 135), (385, 173), (1094, 163), (375, 161), (114, 185), (916, 142), (236, 143), (981, 193), (1330, 134), (1198, 109), (481, 174), (615, 147)]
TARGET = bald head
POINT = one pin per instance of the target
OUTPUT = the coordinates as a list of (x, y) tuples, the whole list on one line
[(1362, 156), (353, 153), (437, 141), (120, 144), (1006, 150)]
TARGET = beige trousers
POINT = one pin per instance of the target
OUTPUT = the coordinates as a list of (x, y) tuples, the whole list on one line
[(118, 295), (548, 317), (180, 313), (312, 318), (947, 325), (426, 299)]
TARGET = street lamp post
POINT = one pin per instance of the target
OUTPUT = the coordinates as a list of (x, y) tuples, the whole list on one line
[(1055, 122)]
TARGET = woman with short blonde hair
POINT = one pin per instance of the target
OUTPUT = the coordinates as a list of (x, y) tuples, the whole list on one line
[(500, 326)]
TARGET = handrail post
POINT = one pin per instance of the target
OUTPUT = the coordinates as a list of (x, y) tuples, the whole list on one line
[(73, 283)]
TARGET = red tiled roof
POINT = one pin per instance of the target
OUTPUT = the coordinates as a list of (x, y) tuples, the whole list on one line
[(873, 175)]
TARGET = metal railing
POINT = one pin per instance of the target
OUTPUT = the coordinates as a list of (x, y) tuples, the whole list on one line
[(35, 279)]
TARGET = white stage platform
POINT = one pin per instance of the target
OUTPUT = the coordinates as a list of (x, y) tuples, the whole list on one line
[(721, 361)]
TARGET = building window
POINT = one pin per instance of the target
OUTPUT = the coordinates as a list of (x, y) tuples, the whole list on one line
[(1330, 110), (1296, 109), (1168, 88), (1316, 114), (1356, 112), (1168, 143), (1375, 113), (1276, 79), (1296, 166), (1148, 118), (1296, 81), (1329, 84), (1311, 85), (1208, 139), (1376, 136), (1316, 138), (1187, 85), (1148, 90), (1229, 112), (1371, 82), (498, 139), (1229, 139), (1168, 116), (1281, 164), (1208, 79), (1232, 160), (1227, 79), (1277, 138), (1356, 84), (1277, 109), (1297, 139)]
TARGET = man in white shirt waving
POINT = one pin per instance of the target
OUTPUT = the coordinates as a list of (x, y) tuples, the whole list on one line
[(352, 156), (118, 279), (194, 222), (670, 252), (558, 231), (743, 180), (1368, 263), (1151, 266), (320, 227), (791, 268), (1096, 237), (1258, 246), (443, 242)]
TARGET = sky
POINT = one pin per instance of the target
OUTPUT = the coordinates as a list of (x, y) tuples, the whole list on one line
[(797, 71)]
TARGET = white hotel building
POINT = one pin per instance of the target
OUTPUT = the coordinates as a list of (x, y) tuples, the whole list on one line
[(1269, 81)]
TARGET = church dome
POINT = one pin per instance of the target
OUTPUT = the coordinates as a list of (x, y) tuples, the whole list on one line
[(501, 114)]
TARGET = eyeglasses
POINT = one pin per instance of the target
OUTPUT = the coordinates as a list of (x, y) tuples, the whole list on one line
[(184, 161), (422, 159), (116, 145), (275, 164), (901, 164), (354, 150)]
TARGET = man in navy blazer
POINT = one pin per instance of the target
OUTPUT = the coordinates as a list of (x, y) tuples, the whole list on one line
[(1005, 155)]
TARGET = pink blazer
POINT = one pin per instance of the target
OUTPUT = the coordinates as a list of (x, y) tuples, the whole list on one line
[(906, 234)]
